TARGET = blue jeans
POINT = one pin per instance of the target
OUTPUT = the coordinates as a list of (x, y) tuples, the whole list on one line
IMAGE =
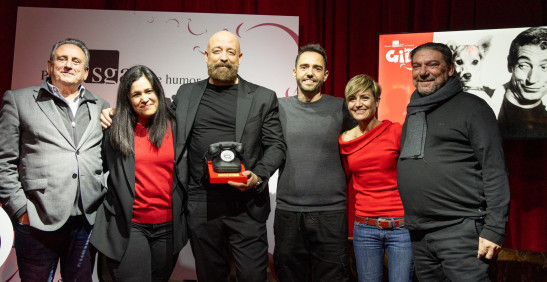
[(38, 252), (369, 245)]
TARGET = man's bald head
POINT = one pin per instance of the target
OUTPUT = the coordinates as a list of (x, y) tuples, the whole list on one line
[(223, 36), (223, 56)]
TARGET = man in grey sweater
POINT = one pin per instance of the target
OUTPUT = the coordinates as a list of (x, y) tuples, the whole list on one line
[(310, 219)]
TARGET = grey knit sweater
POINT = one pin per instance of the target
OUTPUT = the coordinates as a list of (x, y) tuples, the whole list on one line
[(312, 178)]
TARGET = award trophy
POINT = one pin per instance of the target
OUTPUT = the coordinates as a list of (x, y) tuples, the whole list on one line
[(225, 162)]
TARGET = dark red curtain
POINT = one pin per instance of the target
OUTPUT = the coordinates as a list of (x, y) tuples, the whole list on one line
[(349, 30)]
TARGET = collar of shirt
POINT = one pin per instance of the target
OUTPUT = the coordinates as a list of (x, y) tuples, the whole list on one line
[(74, 105)]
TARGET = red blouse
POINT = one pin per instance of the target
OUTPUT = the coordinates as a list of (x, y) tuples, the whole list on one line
[(153, 178), (370, 162)]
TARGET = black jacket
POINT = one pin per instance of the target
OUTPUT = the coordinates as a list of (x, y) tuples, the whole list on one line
[(257, 127), (113, 223)]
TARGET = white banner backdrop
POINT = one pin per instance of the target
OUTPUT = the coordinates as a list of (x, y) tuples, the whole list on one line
[(171, 44)]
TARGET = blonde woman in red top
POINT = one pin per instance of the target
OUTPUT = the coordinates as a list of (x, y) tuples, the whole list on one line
[(370, 152), (141, 225)]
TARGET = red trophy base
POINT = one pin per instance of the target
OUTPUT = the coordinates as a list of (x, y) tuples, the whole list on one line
[(224, 177)]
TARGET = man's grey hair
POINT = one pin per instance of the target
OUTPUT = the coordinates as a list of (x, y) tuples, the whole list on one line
[(72, 41)]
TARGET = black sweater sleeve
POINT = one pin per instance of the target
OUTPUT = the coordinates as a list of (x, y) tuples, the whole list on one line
[(487, 144)]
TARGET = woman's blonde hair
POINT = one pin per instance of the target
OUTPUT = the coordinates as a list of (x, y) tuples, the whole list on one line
[(360, 83)]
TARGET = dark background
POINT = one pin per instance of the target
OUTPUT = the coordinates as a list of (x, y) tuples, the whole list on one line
[(349, 30)]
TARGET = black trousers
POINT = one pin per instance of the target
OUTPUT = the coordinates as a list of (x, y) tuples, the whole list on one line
[(311, 243), (149, 255), (449, 253), (220, 231)]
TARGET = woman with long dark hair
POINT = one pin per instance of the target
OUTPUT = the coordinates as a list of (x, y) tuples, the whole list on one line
[(140, 227)]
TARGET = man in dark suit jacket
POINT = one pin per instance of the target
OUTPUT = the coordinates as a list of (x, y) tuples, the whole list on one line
[(224, 218), (51, 179), (228, 217)]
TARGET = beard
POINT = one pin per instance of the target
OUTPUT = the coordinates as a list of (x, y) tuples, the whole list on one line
[(309, 90), (426, 91), (222, 75), (429, 91)]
